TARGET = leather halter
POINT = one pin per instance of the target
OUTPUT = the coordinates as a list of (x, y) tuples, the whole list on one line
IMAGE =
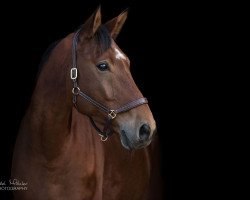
[(111, 113)]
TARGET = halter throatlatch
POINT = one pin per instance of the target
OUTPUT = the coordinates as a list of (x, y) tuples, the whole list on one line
[(111, 113)]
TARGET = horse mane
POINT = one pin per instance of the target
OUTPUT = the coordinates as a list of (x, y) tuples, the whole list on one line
[(102, 38), (46, 55)]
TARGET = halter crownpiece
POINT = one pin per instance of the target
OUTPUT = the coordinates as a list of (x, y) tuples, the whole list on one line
[(111, 113)]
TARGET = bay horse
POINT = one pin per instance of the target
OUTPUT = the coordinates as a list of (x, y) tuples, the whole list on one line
[(85, 84)]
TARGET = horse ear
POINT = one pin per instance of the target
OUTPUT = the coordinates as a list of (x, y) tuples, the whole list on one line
[(92, 24), (114, 26)]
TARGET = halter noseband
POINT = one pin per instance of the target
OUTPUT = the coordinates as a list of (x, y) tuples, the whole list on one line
[(111, 113)]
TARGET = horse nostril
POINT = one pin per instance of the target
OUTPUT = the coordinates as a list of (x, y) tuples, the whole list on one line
[(144, 132)]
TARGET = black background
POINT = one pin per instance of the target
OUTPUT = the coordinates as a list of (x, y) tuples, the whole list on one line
[(172, 51)]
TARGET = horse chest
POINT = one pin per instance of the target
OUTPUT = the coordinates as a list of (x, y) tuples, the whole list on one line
[(126, 174)]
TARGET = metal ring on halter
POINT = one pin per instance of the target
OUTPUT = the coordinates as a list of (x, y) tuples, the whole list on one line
[(112, 114), (103, 138), (75, 90)]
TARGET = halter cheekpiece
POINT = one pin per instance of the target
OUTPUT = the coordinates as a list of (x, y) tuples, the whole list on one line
[(111, 113)]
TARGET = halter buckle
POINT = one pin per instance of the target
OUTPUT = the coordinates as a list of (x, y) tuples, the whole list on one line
[(73, 73), (112, 114)]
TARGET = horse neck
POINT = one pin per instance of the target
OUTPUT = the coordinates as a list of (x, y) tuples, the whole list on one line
[(49, 114)]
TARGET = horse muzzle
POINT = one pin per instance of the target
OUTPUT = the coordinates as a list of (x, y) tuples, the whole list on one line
[(136, 138)]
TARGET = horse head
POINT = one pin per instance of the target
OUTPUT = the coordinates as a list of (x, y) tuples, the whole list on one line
[(104, 75)]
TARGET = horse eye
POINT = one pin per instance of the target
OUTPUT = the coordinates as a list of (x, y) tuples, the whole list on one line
[(102, 66)]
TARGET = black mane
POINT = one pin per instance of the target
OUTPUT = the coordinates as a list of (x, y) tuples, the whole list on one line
[(46, 55), (103, 38)]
